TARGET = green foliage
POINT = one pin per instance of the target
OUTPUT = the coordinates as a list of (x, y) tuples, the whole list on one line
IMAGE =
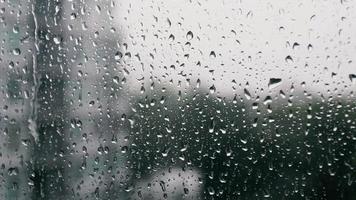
[(303, 151)]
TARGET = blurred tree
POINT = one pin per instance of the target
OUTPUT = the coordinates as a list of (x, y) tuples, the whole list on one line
[(49, 109), (299, 151)]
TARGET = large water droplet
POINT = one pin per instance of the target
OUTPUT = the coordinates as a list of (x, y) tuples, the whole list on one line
[(289, 59), (247, 94), (274, 82), (212, 89), (189, 35), (212, 54), (16, 51)]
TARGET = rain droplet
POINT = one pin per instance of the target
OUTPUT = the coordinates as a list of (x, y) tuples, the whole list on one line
[(212, 54), (124, 149), (295, 45), (163, 185), (169, 22), (274, 82), (212, 126), (212, 89), (267, 100), (116, 79), (73, 16), (16, 51), (247, 94), (289, 59), (57, 40), (171, 37), (352, 77), (190, 35), (198, 83), (118, 55), (211, 190), (91, 103), (16, 29), (234, 100), (13, 171), (11, 65)]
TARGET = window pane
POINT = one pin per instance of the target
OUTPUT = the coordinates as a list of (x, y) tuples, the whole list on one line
[(177, 99)]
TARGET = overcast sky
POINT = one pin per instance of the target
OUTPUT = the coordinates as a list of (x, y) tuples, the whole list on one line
[(255, 40)]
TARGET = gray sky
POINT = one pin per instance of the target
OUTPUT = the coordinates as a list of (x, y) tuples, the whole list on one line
[(251, 40)]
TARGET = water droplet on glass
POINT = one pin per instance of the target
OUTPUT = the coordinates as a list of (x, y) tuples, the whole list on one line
[(16, 29), (16, 51), (189, 35), (352, 77), (171, 37), (57, 40), (118, 55), (212, 89), (274, 82), (211, 190), (247, 94), (288, 59), (116, 79), (212, 54)]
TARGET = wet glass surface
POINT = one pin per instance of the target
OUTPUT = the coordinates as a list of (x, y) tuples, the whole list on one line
[(136, 99)]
